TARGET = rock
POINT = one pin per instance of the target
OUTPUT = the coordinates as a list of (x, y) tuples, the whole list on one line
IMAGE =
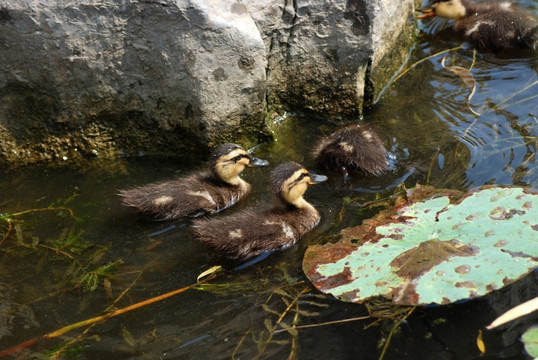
[(322, 53), (89, 78)]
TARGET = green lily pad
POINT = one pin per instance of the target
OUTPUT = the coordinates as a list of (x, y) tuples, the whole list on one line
[(433, 246), (530, 341)]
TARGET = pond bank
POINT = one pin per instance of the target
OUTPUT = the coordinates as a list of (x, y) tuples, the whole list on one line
[(97, 79)]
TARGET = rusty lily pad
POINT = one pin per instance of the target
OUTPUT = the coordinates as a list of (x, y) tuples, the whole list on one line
[(432, 247)]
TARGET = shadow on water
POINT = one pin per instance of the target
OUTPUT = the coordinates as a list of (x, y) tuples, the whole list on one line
[(433, 138)]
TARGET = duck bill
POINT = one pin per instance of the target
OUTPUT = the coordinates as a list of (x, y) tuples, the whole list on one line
[(426, 13), (316, 179), (255, 162)]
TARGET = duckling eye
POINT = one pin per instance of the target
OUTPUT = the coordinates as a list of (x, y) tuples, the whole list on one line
[(302, 176), (238, 157)]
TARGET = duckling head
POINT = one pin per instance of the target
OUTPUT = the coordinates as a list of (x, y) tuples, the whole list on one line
[(289, 182), (449, 9), (229, 160)]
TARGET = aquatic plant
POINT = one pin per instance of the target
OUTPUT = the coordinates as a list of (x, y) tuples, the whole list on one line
[(51, 241), (433, 246)]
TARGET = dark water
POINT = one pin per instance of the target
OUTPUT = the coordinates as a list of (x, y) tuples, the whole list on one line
[(434, 138)]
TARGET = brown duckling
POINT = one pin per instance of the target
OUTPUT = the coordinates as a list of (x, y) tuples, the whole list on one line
[(490, 25), (204, 192), (254, 231), (350, 148)]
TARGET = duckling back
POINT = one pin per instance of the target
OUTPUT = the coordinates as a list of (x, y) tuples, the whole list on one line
[(354, 147), (498, 26), (492, 25), (193, 195), (249, 233)]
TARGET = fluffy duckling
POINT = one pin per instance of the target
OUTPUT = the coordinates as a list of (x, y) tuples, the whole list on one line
[(489, 25), (254, 231), (204, 192), (352, 147)]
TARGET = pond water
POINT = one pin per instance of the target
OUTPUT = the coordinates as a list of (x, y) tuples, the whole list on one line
[(59, 268)]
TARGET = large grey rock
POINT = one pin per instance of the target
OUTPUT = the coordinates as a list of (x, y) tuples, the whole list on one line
[(323, 53), (88, 77), (147, 75)]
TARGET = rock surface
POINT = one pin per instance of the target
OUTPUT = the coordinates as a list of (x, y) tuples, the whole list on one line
[(91, 78)]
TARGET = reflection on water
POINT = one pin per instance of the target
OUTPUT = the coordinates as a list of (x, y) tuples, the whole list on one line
[(502, 140), (424, 121)]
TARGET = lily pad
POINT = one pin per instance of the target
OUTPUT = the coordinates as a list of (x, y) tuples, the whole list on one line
[(432, 246), (530, 340)]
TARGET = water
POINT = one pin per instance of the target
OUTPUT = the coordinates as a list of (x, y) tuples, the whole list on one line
[(434, 138)]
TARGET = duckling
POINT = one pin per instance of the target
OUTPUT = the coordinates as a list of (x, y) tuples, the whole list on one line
[(352, 147), (255, 231), (488, 25), (204, 192)]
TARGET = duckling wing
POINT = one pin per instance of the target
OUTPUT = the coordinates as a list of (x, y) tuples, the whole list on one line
[(193, 195), (248, 233)]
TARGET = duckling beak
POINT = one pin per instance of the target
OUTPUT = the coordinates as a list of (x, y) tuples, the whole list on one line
[(426, 13), (255, 162), (316, 179)]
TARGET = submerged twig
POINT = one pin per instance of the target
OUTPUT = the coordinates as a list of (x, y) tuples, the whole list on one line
[(109, 308), (10, 227), (474, 60), (45, 209), (504, 105), (393, 330), (498, 106), (264, 344), (466, 76), (64, 253), (294, 333), (326, 323), (457, 148), (421, 61), (240, 343), (436, 155), (97, 319)]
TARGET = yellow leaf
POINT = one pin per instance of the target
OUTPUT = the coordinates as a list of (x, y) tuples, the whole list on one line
[(209, 271), (480, 343)]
